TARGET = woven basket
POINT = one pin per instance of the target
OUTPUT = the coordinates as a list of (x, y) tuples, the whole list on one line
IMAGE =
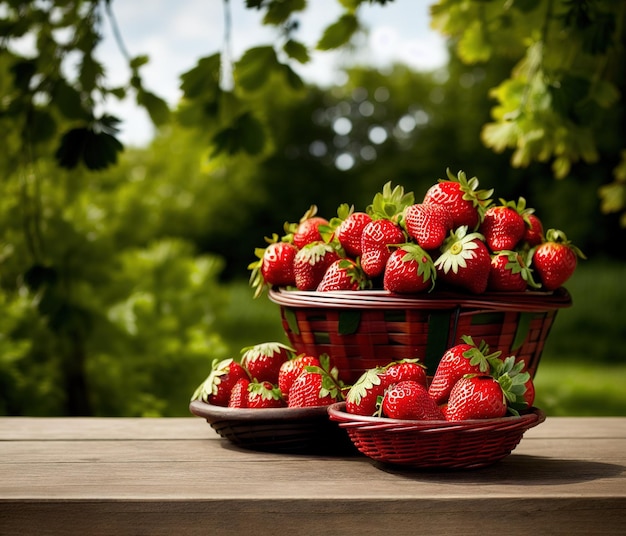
[(360, 330), (280, 430), (435, 444)]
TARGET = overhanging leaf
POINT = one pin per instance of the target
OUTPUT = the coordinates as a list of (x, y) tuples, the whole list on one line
[(338, 33), (203, 79), (255, 67), (278, 11), (156, 107)]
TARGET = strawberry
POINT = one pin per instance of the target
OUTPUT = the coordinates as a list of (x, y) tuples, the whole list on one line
[(461, 197), (465, 261), (409, 269), (555, 259), (263, 361), (427, 223), (307, 230), (476, 396), (343, 274), (291, 369), (509, 273), (263, 395), (274, 267), (349, 227), (517, 384), (219, 383), (377, 236), (239, 394), (504, 226), (365, 394), (407, 369), (409, 400), (311, 262), (459, 360), (533, 235), (316, 386)]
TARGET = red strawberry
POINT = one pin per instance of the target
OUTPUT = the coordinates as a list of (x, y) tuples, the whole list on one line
[(263, 361), (409, 400), (310, 264), (316, 386), (428, 224), (365, 394), (504, 226), (274, 267), (349, 228), (306, 231), (461, 197), (465, 261), (263, 395), (555, 259), (377, 236), (343, 274), (409, 269), (509, 273), (219, 383), (533, 235), (476, 396), (239, 394), (407, 369), (459, 360), (516, 383), (291, 369)]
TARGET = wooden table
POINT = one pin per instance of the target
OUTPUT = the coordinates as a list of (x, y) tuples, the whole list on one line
[(176, 476)]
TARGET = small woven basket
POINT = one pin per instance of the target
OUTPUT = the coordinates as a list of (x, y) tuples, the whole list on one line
[(435, 444), (360, 330)]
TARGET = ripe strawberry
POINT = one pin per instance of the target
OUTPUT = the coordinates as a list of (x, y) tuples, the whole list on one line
[(263, 395), (239, 394), (291, 369), (533, 235), (316, 386), (555, 259), (310, 264), (509, 273), (459, 360), (377, 236), (476, 396), (306, 231), (219, 383), (428, 224), (503, 226), (407, 369), (366, 393), (409, 269), (465, 261), (274, 267), (349, 227), (516, 383), (409, 400), (263, 361), (343, 274), (460, 196)]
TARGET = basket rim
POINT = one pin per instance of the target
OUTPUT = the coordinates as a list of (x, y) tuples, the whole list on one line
[(213, 413), (337, 413), (527, 301)]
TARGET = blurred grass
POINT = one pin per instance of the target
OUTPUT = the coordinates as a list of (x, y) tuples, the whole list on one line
[(583, 366)]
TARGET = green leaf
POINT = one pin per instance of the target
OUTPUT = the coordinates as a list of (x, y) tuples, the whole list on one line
[(68, 100), (97, 150), (245, 134), (338, 33), (138, 61), (278, 11), (293, 79), (296, 51), (157, 108), (203, 80), (255, 67), (473, 46)]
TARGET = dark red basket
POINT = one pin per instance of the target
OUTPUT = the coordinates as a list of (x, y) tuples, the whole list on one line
[(360, 330), (435, 444)]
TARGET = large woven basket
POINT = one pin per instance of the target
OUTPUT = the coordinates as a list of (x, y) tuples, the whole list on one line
[(360, 330), (435, 444)]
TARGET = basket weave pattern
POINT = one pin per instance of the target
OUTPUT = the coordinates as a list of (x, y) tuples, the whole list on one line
[(362, 330)]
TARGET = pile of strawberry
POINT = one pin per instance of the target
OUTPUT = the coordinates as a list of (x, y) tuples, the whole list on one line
[(469, 383), (271, 375), (456, 237)]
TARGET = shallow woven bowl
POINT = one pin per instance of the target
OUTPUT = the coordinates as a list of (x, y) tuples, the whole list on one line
[(283, 430), (435, 444), (360, 330)]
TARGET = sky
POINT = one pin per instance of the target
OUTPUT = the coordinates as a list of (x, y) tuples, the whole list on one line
[(176, 33)]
